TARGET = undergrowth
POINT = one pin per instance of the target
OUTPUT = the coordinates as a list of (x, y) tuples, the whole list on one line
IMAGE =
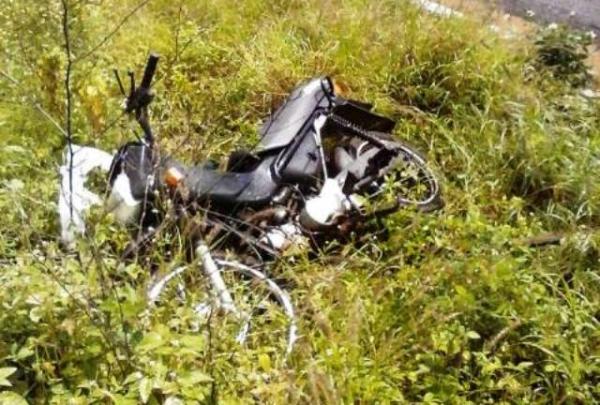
[(453, 307)]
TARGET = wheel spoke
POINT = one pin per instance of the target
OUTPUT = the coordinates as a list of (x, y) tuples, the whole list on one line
[(265, 317)]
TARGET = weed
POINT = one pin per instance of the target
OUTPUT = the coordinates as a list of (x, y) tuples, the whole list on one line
[(451, 308)]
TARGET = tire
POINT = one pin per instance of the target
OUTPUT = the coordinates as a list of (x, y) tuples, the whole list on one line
[(408, 159), (264, 319)]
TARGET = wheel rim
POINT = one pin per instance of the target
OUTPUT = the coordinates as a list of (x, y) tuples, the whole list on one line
[(264, 321), (406, 180), (424, 182)]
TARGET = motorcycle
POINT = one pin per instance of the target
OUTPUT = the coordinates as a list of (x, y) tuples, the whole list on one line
[(322, 168)]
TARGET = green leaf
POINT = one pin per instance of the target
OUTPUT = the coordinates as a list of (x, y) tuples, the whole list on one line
[(173, 401), (145, 389), (192, 378), (524, 364), (195, 342), (264, 361), (11, 398), (7, 371), (151, 341), (23, 353), (121, 400), (4, 374), (35, 314), (473, 335), (135, 376)]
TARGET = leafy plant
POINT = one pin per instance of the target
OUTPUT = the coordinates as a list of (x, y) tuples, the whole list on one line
[(564, 52), (451, 307)]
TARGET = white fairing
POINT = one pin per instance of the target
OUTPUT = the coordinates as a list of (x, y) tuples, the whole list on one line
[(74, 198), (282, 237), (323, 209), (121, 202)]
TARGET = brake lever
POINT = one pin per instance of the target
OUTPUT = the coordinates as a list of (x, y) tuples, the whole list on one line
[(131, 102), (131, 83), (119, 82)]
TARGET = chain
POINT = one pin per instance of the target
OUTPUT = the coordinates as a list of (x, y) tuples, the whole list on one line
[(350, 126), (359, 131)]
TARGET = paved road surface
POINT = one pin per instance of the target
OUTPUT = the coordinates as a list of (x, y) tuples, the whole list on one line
[(582, 14)]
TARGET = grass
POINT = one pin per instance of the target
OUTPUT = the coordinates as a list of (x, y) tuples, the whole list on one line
[(452, 308)]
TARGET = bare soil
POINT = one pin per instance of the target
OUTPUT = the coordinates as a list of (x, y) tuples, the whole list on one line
[(513, 25)]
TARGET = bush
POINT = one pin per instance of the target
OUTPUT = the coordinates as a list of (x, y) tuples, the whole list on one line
[(564, 52), (454, 307)]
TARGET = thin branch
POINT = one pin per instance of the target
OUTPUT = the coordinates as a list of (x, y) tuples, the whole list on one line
[(69, 95), (491, 345), (545, 239), (69, 111), (67, 83), (213, 386), (114, 31), (87, 308), (178, 31), (35, 104)]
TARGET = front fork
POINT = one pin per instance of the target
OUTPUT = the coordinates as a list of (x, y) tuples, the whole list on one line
[(223, 296)]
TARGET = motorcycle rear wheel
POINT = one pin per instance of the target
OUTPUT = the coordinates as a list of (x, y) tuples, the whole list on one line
[(407, 177)]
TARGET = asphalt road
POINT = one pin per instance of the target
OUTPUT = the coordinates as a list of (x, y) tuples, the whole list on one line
[(581, 14)]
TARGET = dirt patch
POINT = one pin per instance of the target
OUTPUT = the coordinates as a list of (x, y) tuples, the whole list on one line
[(511, 25), (595, 63)]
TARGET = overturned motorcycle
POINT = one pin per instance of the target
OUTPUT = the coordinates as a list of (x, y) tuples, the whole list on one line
[(324, 167)]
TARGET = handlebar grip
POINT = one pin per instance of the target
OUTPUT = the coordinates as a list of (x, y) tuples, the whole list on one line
[(149, 71)]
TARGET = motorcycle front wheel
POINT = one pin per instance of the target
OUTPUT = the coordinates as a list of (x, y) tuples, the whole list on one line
[(260, 318)]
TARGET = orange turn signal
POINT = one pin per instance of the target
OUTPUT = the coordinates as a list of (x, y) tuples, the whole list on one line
[(173, 177)]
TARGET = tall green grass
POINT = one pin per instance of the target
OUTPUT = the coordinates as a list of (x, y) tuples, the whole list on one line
[(452, 308)]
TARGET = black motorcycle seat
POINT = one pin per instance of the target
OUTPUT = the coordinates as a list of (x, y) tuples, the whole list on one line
[(254, 187), (288, 120), (242, 160)]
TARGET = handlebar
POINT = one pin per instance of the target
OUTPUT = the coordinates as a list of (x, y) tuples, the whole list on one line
[(149, 71), (139, 98)]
